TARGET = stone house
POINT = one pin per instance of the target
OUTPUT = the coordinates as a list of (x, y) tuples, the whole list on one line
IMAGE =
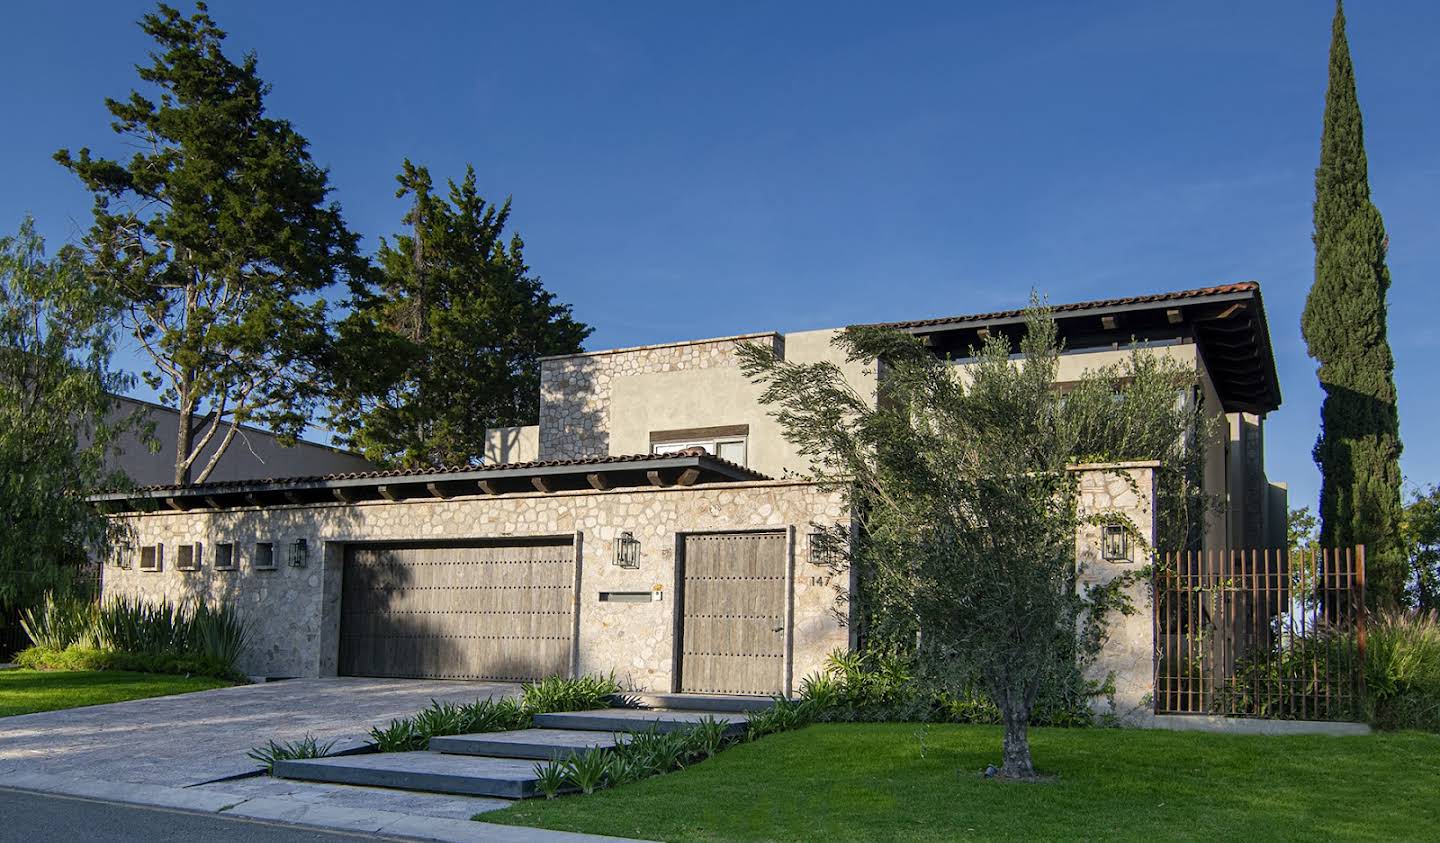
[(639, 528)]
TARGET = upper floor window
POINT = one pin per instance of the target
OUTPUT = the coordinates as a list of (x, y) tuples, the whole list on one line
[(728, 442)]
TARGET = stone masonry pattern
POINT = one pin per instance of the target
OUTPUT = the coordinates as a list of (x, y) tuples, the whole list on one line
[(294, 611)]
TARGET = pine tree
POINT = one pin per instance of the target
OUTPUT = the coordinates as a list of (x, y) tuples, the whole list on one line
[(448, 342), (218, 236), (1358, 450)]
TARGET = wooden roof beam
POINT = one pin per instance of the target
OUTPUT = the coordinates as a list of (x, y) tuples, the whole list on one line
[(598, 482)]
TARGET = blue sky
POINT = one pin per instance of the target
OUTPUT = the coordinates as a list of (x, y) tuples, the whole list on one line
[(681, 170)]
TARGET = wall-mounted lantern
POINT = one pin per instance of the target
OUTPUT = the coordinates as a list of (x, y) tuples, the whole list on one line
[(627, 550), (1115, 543), (299, 553)]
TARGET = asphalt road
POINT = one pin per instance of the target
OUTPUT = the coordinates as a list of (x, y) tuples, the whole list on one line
[(41, 818)]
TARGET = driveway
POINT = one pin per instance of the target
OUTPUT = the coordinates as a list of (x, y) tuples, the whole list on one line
[(190, 739)]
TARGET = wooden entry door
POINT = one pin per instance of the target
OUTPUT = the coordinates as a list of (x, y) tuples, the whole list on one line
[(501, 612), (733, 617)]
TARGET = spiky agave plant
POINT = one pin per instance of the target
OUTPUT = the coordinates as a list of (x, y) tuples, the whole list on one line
[(59, 622)]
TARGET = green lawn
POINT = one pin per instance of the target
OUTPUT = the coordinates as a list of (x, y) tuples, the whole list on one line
[(28, 691), (869, 782)]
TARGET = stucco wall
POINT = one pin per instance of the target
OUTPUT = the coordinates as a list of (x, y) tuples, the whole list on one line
[(609, 403), (294, 611), (512, 444)]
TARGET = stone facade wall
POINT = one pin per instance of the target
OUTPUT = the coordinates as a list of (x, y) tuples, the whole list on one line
[(575, 390), (294, 612), (1127, 655)]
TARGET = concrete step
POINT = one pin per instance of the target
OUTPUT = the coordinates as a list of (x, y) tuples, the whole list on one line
[(434, 772), (638, 720), (694, 702), (538, 744)]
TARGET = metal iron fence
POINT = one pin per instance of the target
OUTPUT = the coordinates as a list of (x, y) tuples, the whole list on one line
[(84, 580), (1261, 633)]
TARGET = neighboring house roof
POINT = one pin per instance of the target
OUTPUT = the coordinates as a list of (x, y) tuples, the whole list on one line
[(1227, 322), (253, 453), (593, 473)]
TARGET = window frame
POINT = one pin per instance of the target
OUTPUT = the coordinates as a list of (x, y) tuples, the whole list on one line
[(196, 553), (157, 558), (255, 556)]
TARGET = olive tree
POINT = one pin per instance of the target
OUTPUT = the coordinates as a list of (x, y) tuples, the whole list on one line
[(959, 476)]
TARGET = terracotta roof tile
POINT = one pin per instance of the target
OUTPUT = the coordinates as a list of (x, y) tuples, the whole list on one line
[(1154, 298)]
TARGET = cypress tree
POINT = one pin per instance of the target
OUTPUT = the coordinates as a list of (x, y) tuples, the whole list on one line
[(1358, 450)]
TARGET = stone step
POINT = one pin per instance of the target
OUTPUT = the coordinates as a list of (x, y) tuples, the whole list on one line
[(434, 772), (638, 720), (694, 702), (538, 744)]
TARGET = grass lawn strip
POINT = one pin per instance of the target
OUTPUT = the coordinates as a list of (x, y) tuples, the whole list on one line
[(869, 782), (29, 691)]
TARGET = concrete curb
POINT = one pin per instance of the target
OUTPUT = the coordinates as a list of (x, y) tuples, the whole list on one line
[(291, 811), (1256, 726)]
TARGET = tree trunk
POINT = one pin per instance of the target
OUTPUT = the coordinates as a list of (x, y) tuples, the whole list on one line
[(1016, 764), (184, 439)]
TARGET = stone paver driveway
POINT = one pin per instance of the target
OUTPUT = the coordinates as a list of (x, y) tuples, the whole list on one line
[(193, 738)]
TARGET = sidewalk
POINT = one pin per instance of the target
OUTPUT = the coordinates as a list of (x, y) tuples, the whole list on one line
[(290, 810)]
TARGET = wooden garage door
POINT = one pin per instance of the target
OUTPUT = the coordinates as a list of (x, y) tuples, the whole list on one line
[(476, 612), (733, 623)]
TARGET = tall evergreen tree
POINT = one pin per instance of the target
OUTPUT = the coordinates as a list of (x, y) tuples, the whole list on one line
[(450, 342), (1358, 451), (218, 237)]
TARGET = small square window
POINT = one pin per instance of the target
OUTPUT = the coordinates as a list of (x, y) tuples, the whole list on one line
[(152, 557), (264, 556), (225, 556), (187, 557)]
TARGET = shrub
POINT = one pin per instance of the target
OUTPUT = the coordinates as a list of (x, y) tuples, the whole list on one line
[(79, 657), (400, 736), (784, 715), (218, 634), (587, 770), (59, 622), (132, 625), (127, 633), (707, 737), (550, 778), (558, 693), (880, 686), (655, 752), (1402, 671), (307, 747)]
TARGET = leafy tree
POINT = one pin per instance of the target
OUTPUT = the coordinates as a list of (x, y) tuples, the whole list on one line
[(1358, 450), (217, 237), (57, 420), (1421, 531), (1302, 529), (968, 511), (450, 342)]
